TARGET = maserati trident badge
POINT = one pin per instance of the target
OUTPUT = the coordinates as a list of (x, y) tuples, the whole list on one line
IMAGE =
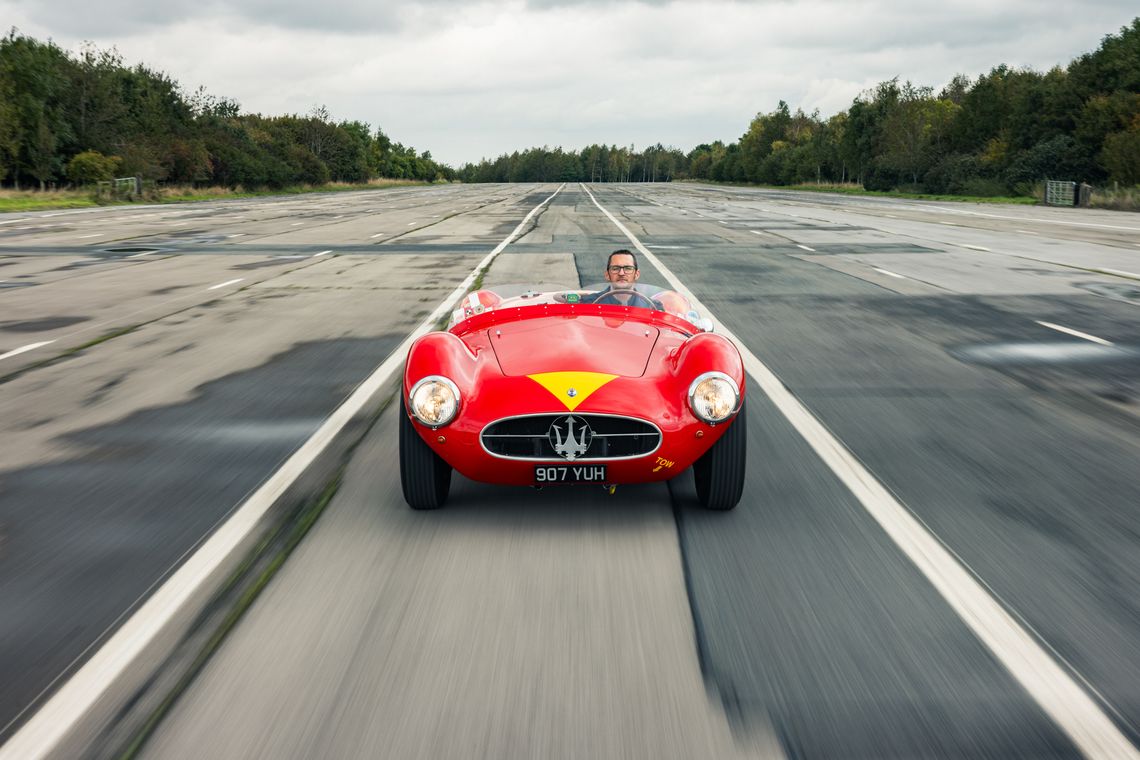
[(570, 436)]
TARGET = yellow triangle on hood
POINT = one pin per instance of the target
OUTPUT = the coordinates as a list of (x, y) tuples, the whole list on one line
[(571, 388)]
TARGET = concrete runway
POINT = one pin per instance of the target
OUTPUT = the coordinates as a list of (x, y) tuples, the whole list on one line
[(571, 623)]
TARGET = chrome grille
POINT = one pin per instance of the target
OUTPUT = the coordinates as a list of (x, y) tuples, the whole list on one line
[(529, 437)]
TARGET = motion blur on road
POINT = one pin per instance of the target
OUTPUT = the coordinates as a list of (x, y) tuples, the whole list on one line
[(979, 365)]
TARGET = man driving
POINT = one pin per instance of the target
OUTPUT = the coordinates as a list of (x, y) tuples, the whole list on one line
[(621, 270)]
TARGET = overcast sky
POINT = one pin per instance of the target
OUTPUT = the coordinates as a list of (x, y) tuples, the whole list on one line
[(473, 80)]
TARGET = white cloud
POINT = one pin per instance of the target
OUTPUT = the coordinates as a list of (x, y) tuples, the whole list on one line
[(472, 80)]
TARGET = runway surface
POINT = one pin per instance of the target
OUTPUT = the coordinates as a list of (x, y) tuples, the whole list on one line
[(981, 362)]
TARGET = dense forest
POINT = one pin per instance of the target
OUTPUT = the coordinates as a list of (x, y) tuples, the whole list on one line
[(73, 119), (76, 119), (995, 136)]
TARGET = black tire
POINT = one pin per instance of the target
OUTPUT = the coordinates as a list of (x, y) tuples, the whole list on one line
[(719, 474), (424, 476)]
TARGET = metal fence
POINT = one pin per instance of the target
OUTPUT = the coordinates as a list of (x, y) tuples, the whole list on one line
[(1060, 193), (121, 188)]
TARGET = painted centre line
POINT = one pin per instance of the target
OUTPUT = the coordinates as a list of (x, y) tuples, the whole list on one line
[(322, 253), (411, 224), (378, 234), (224, 284), (805, 247), (296, 224), (25, 349), (14, 221), (1074, 333), (83, 237), (977, 248), (47, 728), (236, 234), (1020, 652), (1027, 232), (889, 273)]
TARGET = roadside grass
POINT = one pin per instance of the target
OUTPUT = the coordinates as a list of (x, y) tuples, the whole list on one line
[(1116, 199), (854, 189), (35, 200)]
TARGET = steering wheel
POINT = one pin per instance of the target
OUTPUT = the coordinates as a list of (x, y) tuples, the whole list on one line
[(627, 298)]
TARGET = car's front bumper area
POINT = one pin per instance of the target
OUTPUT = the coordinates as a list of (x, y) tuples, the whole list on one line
[(679, 441)]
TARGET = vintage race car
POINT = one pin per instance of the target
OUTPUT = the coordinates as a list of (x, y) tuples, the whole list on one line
[(571, 387)]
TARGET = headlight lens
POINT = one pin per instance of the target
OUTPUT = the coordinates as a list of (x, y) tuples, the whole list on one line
[(434, 401), (713, 397)]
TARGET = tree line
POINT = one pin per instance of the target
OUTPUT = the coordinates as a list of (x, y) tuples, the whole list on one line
[(79, 118), (1000, 134), (74, 119)]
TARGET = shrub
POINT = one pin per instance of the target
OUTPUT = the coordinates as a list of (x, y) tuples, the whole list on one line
[(91, 166)]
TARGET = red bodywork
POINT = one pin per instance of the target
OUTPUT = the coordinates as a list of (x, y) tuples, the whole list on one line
[(490, 356)]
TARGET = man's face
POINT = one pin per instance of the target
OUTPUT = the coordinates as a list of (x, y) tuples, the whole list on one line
[(620, 272)]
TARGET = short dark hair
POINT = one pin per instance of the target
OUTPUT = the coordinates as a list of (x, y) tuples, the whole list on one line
[(622, 252)]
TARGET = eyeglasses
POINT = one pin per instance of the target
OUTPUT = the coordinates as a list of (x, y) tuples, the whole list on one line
[(619, 268)]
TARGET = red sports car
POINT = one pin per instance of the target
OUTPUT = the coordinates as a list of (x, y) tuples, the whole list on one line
[(571, 387)]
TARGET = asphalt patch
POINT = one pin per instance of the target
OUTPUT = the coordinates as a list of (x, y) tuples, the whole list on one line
[(42, 325)]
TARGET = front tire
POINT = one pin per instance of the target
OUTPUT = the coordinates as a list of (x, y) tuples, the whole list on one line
[(424, 476), (719, 473)]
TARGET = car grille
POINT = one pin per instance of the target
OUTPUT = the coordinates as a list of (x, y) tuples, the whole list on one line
[(530, 437)]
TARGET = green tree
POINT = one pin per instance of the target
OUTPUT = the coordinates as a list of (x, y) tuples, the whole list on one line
[(91, 166)]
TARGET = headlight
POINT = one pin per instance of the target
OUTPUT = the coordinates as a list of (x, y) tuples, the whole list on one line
[(713, 397), (434, 401)]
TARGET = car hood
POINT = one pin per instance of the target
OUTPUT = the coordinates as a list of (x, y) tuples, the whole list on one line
[(576, 343)]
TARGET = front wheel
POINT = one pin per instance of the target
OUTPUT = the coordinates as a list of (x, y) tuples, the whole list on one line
[(424, 476), (719, 473)]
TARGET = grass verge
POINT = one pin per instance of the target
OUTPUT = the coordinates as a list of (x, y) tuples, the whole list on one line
[(850, 189), (34, 200)]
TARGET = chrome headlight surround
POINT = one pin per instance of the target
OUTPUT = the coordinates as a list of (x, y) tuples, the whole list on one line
[(713, 397), (434, 401)]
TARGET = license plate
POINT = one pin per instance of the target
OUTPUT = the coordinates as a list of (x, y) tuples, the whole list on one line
[(570, 473)]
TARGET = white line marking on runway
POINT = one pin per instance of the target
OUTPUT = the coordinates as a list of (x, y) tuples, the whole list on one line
[(1027, 232), (1120, 272), (224, 284), (668, 247), (1037, 221), (977, 248), (23, 349), (889, 273), (296, 224), (140, 255), (805, 247), (378, 234), (43, 732), (14, 221), (1043, 678), (322, 253), (339, 217), (84, 237), (1074, 333), (411, 224)]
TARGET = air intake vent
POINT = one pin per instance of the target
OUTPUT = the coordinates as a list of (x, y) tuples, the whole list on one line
[(570, 437)]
